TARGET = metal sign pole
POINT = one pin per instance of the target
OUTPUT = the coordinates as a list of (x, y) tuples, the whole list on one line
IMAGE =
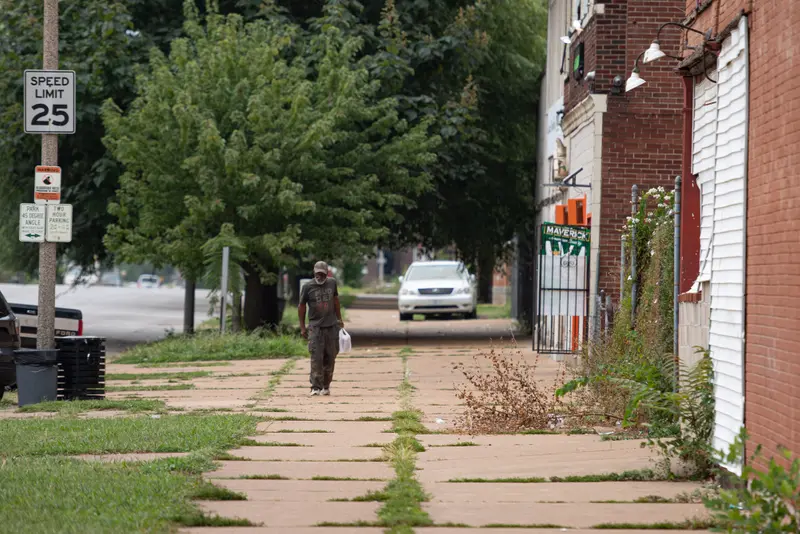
[(226, 255), (45, 331)]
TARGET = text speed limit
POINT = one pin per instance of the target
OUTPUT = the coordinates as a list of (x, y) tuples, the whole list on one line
[(50, 101)]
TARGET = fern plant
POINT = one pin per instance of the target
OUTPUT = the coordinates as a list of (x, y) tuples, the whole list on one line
[(690, 403)]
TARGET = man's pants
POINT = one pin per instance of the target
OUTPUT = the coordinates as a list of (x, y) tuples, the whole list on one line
[(323, 344)]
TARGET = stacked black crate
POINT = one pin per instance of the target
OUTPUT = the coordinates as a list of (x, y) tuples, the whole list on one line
[(81, 368)]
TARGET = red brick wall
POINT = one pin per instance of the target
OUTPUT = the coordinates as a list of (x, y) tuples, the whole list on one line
[(642, 129), (772, 357), (772, 330)]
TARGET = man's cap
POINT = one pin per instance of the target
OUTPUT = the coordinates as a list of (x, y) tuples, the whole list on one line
[(321, 267)]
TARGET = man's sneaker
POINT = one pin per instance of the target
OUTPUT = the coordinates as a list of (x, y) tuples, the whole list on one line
[(315, 392), (325, 391)]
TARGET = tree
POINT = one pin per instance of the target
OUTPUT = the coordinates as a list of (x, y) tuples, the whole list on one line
[(94, 43), (277, 136)]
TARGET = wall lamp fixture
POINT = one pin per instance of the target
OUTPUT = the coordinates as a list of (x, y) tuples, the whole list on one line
[(635, 80), (654, 52)]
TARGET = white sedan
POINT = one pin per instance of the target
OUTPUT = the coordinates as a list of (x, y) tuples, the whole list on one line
[(437, 288)]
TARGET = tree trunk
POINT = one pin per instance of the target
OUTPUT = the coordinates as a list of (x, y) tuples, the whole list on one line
[(261, 309), (188, 307), (236, 317), (486, 263)]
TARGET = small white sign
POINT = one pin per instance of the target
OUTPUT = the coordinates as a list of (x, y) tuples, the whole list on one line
[(47, 186), (32, 219), (59, 223), (50, 101)]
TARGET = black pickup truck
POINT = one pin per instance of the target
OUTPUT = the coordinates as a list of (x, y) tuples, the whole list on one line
[(18, 330), (9, 341)]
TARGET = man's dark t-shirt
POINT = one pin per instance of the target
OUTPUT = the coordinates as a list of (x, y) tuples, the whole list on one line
[(319, 298)]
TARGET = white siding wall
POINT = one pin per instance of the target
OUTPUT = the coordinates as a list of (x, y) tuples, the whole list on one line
[(704, 150), (727, 269)]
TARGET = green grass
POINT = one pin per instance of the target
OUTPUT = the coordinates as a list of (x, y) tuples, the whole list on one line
[(407, 350), (168, 387), (626, 476), (689, 524), (263, 477), (9, 400), (169, 433), (515, 525), (352, 524), (253, 443), (214, 347), (209, 492), (312, 431), (402, 497), (459, 444), (167, 365), (63, 496), (369, 419), (81, 406), (509, 480), (492, 311), (408, 421), (345, 479), (189, 375), (370, 496)]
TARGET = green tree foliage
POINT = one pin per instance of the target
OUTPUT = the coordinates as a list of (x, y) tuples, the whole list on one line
[(278, 136), (94, 44)]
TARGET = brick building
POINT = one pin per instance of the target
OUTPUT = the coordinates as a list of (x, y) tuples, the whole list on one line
[(591, 126), (740, 286)]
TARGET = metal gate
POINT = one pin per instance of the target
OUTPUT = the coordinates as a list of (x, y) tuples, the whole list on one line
[(562, 303)]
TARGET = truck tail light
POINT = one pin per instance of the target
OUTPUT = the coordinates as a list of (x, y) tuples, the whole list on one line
[(80, 327)]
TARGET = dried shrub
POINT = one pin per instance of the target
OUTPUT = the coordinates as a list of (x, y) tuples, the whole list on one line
[(505, 396)]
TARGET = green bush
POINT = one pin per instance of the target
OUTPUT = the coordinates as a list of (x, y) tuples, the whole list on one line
[(760, 501)]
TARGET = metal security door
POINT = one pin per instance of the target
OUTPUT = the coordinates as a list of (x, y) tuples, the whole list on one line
[(562, 303)]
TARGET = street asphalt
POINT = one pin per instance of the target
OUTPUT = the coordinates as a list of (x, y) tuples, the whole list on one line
[(127, 316)]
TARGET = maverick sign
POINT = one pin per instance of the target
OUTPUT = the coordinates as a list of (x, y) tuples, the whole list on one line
[(561, 240)]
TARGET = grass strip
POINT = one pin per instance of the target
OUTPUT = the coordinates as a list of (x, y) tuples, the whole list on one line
[(81, 406), (276, 378), (167, 433), (167, 387), (402, 496), (188, 375), (180, 364), (345, 479), (494, 311), (625, 476), (515, 525), (211, 346), (689, 524)]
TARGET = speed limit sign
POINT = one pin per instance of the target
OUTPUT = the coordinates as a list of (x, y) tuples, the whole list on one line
[(50, 101)]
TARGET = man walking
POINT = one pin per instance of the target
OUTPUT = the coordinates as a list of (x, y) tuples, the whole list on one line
[(321, 296)]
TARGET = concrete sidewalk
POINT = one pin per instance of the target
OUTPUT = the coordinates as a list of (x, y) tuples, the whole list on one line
[(321, 451)]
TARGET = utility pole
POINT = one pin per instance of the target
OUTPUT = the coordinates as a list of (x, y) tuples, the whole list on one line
[(45, 330)]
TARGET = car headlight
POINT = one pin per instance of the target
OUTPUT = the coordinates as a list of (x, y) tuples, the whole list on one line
[(464, 290), (407, 292)]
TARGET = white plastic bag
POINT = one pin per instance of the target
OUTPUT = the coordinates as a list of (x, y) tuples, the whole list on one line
[(345, 344)]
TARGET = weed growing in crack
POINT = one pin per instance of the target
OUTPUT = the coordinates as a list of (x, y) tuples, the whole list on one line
[(507, 397)]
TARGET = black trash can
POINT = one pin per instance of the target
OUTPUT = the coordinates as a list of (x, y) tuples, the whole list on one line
[(37, 375)]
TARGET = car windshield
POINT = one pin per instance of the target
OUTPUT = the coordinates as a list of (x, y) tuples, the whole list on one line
[(436, 272)]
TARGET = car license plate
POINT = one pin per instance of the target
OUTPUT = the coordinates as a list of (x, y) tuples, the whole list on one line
[(437, 302)]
